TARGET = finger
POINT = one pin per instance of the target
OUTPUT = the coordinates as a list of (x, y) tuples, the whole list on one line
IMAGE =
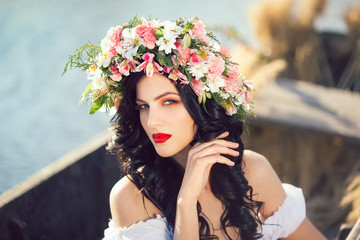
[(216, 158), (221, 142), (215, 149), (223, 135)]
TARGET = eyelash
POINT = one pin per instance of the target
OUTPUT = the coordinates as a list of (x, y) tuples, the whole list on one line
[(145, 106)]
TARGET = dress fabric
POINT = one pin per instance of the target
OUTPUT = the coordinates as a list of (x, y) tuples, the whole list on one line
[(281, 224)]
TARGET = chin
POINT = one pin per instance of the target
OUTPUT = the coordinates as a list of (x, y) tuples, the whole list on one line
[(165, 151), (164, 154)]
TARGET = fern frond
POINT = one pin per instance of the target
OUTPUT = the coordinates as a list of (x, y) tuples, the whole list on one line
[(76, 60)]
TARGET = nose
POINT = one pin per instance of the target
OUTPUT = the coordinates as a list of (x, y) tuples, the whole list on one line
[(155, 118)]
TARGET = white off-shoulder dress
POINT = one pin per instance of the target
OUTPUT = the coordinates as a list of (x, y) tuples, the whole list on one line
[(280, 225)]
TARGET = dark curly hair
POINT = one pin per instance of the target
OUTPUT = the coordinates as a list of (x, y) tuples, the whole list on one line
[(159, 179)]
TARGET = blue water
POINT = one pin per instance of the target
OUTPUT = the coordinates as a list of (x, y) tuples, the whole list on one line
[(40, 119)]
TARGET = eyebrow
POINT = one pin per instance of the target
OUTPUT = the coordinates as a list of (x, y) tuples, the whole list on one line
[(160, 96)]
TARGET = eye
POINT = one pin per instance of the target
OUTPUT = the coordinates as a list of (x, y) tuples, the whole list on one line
[(170, 102), (141, 106)]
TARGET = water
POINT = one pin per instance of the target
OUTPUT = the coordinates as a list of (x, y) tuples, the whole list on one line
[(40, 119)]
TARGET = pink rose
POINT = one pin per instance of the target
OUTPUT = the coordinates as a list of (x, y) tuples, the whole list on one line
[(233, 72), (232, 86), (199, 30), (149, 38), (148, 35), (140, 30), (114, 33), (217, 67), (112, 49), (116, 73)]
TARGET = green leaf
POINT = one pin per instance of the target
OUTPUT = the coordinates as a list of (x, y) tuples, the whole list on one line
[(97, 104), (199, 99), (186, 42), (158, 33), (76, 60), (87, 89), (204, 106), (208, 95), (189, 25)]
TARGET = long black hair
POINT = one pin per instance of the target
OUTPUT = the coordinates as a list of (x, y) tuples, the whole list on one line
[(159, 179)]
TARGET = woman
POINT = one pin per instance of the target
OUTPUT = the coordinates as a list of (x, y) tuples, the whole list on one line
[(177, 134)]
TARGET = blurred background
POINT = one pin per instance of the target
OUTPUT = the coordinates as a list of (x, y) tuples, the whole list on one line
[(313, 41), (40, 118)]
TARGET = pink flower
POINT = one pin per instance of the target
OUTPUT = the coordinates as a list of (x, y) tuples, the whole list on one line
[(247, 89), (195, 58), (148, 35), (224, 51), (167, 69), (112, 49), (128, 66), (177, 75), (216, 68), (149, 65), (233, 72), (249, 84), (114, 34), (116, 73), (183, 54), (140, 30), (232, 86), (198, 87), (199, 30)]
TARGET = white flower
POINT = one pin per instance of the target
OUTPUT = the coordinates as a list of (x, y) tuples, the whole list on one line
[(216, 46), (103, 60), (98, 82), (198, 70), (166, 44), (215, 84), (240, 99), (151, 23), (224, 95), (171, 27), (130, 45), (105, 45)]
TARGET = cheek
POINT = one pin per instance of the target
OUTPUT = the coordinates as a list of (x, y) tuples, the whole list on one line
[(187, 126)]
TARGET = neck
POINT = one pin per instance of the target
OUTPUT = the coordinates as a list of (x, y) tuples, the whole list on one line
[(181, 157)]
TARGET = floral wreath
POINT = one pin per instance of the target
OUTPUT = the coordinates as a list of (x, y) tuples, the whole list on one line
[(182, 49)]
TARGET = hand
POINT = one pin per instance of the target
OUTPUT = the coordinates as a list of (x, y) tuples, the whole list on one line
[(201, 158)]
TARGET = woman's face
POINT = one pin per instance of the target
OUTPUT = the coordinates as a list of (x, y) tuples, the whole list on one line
[(163, 115)]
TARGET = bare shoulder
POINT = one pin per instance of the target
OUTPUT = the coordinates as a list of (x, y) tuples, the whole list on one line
[(256, 166), (127, 205), (264, 181)]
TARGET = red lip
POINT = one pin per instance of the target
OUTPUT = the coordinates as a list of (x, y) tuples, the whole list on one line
[(161, 137)]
